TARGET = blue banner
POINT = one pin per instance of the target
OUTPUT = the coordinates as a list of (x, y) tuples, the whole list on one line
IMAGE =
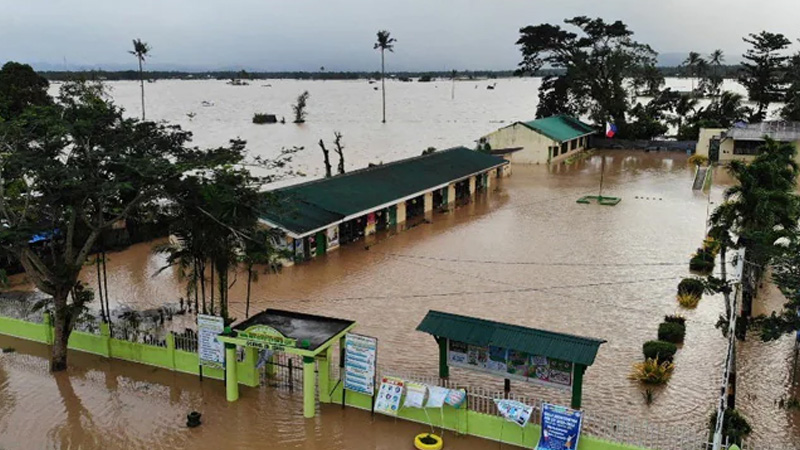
[(561, 428)]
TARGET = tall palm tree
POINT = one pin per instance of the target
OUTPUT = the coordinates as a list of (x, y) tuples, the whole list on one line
[(692, 63), (262, 249), (385, 42), (716, 58), (141, 50)]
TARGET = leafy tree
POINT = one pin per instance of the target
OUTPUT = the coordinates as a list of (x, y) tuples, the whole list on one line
[(299, 108), (763, 70), (791, 109), (601, 68), (21, 87), (141, 50), (385, 42), (712, 81), (262, 249), (69, 171), (695, 66)]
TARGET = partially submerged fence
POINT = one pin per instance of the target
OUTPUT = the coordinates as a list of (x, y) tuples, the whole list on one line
[(479, 417)]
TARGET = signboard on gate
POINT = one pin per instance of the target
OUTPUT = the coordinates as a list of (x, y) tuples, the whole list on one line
[(360, 359), (561, 428), (511, 364), (210, 350)]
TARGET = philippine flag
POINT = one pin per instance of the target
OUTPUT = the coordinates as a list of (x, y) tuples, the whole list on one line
[(611, 130)]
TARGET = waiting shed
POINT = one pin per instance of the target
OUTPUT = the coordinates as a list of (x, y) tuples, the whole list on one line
[(511, 351), (307, 335)]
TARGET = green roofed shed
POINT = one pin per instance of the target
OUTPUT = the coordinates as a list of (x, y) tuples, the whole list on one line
[(560, 128), (578, 350), (306, 208)]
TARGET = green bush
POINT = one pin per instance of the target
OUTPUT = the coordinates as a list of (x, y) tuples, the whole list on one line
[(702, 261), (671, 332), (734, 426), (692, 286), (663, 351), (675, 318)]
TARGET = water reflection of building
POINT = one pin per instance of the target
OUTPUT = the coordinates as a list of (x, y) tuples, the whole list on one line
[(320, 215), (540, 141), (743, 141)]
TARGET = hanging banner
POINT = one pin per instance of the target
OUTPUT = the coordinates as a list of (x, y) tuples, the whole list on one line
[(360, 360), (510, 364), (436, 396), (209, 349), (388, 401), (514, 411), (561, 428), (415, 395), (455, 397)]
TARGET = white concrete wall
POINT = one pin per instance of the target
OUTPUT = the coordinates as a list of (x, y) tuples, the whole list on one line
[(704, 141)]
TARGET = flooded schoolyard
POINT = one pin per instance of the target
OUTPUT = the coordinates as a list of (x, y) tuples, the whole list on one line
[(525, 253)]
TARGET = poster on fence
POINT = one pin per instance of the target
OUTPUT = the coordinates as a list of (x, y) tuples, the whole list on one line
[(415, 395), (561, 428), (436, 396), (514, 411), (210, 350), (388, 401), (360, 359), (509, 363)]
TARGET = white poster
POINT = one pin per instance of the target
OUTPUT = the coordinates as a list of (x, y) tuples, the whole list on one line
[(436, 396), (360, 359), (514, 411), (415, 395), (333, 236), (210, 350)]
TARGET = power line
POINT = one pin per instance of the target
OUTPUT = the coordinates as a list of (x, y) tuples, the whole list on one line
[(534, 263)]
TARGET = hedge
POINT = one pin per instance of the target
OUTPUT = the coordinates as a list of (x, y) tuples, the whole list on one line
[(664, 351), (671, 332)]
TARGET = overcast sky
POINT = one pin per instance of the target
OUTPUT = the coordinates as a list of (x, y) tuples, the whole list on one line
[(276, 35)]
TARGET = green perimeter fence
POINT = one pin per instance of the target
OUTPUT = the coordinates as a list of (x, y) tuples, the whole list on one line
[(478, 418)]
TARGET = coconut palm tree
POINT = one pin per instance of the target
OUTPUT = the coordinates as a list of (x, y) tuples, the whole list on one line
[(716, 58), (385, 42), (262, 249), (141, 50), (692, 64)]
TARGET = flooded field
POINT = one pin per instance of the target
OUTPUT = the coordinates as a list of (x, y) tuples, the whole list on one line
[(525, 253)]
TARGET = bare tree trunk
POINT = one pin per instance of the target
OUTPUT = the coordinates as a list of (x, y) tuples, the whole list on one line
[(196, 281), (105, 289), (339, 151), (249, 282), (212, 287), (383, 84), (203, 284), (141, 84), (326, 159), (100, 289), (223, 290), (62, 328)]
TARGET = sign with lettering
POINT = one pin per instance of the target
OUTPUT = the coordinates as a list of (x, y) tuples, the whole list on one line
[(264, 336), (360, 359), (388, 400), (210, 350), (561, 428), (510, 364)]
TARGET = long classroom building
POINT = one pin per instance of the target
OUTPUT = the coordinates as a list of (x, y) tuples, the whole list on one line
[(320, 215)]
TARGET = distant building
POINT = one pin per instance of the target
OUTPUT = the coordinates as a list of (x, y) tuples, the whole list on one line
[(743, 141), (540, 141)]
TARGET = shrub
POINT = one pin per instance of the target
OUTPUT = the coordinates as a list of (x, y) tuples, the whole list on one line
[(702, 262), (711, 246), (688, 301), (671, 332), (693, 286), (260, 118), (651, 371), (734, 426), (660, 350), (675, 318), (698, 160)]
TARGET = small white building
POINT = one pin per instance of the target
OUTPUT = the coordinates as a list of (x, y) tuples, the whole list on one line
[(744, 141), (540, 141)]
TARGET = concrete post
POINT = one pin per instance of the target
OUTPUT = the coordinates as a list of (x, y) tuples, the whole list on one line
[(170, 348), (472, 185), (231, 382), (271, 367), (488, 179), (249, 375), (401, 213), (451, 193), (324, 364), (577, 386), (444, 370), (428, 200), (309, 406)]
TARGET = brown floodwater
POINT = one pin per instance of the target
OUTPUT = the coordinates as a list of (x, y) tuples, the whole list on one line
[(525, 254)]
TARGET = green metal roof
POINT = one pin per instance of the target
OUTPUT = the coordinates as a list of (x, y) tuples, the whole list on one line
[(566, 347), (310, 206), (560, 128)]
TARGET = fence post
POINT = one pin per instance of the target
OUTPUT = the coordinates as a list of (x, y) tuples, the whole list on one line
[(324, 376), (171, 349), (48, 328), (105, 335)]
